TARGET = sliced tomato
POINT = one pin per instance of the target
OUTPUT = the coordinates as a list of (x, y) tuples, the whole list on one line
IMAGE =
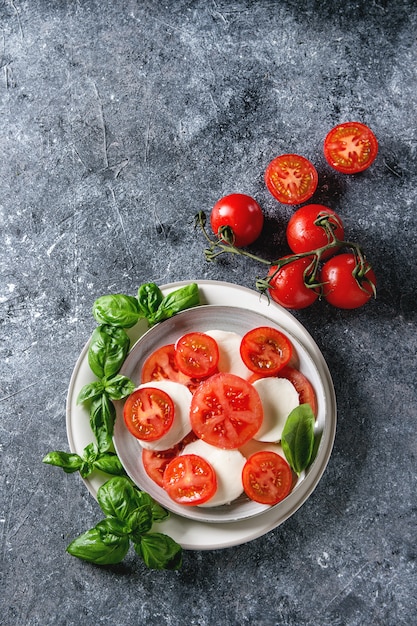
[(162, 365), (267, 478), (155, 461), (226, 411), (291, 179), (303, 386), (189, 479), (265, 350), (350, 147), (148, 413), (197, 355)]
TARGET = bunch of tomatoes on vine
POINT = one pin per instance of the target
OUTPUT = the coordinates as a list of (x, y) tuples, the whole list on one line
[(322, 264)]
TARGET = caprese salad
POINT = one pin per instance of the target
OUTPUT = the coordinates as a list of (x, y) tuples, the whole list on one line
[(209, 412)]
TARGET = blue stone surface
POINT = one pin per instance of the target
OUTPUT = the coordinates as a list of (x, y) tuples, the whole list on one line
[(119, 121)]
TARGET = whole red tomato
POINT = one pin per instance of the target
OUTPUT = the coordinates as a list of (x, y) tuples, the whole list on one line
[(242, 214), (304, 232), (340, 286), (288, 287)]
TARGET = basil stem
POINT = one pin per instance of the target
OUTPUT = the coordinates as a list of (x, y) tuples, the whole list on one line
[(297, 437)]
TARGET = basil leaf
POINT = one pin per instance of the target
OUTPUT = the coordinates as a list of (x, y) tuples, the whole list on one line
[(119, 387), (68, 461), (180, 299), (297, 437), (90, 391), (159, 514), (140, 522), (149, 298), (159, 551), (116, 497), (102, 416), (99, 547), (117, 310), (110, 464), (112, 526), (108, 348)]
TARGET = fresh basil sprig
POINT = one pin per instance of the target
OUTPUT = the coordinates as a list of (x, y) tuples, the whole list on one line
[(124, 311), (297, 439), (130, 514), (90, 460)]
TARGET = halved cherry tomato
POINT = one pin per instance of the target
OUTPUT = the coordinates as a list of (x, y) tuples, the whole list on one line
[(288, 287), (305, 232), (162, 365), (341, 288), (265, 350), (189, 479), (267, 478), (291, 179), (197, 355), (350, 147), (148, 413), (303, 386), (226, 411), (155, 461), (242, 214)]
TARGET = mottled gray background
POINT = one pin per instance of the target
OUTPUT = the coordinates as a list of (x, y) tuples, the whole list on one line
[(118, 122)]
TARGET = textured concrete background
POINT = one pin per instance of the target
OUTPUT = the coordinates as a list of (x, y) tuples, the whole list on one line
[(118, 122)]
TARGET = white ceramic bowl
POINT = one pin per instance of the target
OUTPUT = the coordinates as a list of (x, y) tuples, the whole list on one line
[(226, 318)]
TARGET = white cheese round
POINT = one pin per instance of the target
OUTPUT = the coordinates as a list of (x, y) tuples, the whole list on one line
[(229, 352), (279, 397)]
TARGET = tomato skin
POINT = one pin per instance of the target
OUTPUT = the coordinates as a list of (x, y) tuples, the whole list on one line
[(291, 179), (303, 386), (242, 214), (148, 413), (265, 350), (303, 235), (350, 147), (155, 461), (190, 480), (226, 411), (340, 288), (287, 287), (267, 478), (197, 355), (161, 365)]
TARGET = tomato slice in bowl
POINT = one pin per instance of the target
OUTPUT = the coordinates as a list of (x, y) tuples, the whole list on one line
[(291, 179), (197, 355), (265, 350), (303, 386), (350, 147), (267, 477), (226, 411), (155, 461), (148, 413), (161, 364), (189, 479)]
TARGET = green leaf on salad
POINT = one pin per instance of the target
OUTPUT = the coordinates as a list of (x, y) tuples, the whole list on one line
[(102, 417), (117, 310), (159, 551), (119, 387), (90, 391), (68, 461), (149, 299), (99, 546), (117, 497), (297, 437), (108, 348), (176, 301)]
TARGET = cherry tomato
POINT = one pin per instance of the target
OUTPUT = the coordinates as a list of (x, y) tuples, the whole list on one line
[(161, 365), (341, 288), (197, 355), (226, 411), (291, 179), (267, 478), (350, 148), (304, 232), (242, 214), (303, 386), (189, 479), (148, 413), (288, 287), (155, 461), (265, 350)]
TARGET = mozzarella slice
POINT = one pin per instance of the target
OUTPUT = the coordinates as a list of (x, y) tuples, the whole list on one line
[(229, 351), (228, 466), (181, 397), (279, 397)]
